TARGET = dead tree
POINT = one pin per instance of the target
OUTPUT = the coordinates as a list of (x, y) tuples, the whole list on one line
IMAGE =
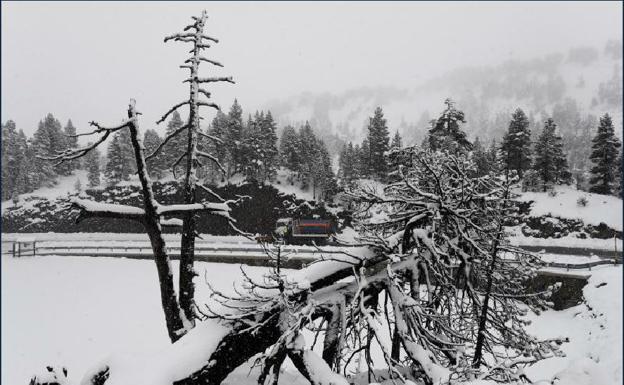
[(152, 216), (194, 34)]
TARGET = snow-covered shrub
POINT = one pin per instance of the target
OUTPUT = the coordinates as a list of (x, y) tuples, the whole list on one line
[(582, 202)]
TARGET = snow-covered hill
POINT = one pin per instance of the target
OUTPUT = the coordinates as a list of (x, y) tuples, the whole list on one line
[(535, 85), (598, 209)]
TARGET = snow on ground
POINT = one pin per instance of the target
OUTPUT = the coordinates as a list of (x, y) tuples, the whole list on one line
[(65, 185), (561, 258), (283, 185), (594, 353), (600, 208), (76, 311)]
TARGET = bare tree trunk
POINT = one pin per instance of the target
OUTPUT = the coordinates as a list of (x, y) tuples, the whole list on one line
[(169, 301)]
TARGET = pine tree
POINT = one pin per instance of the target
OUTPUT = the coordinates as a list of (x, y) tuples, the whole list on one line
[(324, 181), (71, 142), (92, 161), (364, 160), (379, 144), (269, 151), (605, 149), (397, 141), (234, 136), (251, 148), (550, 161), (516, 147), (289, 149), (156, 164), (48, 139), (10, 160), (446, 133), (307, 153), (177, 145), (348, 164), (481, 158), (118, 165)]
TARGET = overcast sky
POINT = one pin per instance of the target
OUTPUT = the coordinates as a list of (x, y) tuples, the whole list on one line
[(85, 60)]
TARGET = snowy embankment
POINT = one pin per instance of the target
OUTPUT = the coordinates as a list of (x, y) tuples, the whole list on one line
[(77, 312), (599, 208), (64, 186), (594, 353)]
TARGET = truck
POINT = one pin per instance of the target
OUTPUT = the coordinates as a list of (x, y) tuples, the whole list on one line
[(304, 231)]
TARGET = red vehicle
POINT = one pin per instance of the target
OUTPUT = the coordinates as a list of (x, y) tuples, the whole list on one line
[(304, 231)]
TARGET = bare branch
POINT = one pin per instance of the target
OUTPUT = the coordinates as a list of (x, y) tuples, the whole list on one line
[(209, 191), (211, 80), (209, 38), (206, 93), (90, 209), (171, 111), (207, 104), (167, 139), (75, 153), (214, 159), (211, 137), (178, 36), (215, 208)]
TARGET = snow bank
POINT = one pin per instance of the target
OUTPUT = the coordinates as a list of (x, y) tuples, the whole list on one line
[(594, 353), (65, 185), (599, 209)]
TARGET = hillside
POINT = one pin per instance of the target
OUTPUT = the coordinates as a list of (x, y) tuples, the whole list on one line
[(588, 76)]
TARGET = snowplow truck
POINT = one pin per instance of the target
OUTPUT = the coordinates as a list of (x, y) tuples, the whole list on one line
[(304, 231)]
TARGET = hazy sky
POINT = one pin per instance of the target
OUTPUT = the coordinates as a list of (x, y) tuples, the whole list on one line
[(85, 60)]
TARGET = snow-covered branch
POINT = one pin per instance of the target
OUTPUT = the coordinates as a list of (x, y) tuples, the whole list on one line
[(227, 79), (213, 208), (213, 159)]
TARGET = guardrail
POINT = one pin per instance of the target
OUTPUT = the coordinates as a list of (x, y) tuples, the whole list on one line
[(20, 249), (250, 255), (579, 266)]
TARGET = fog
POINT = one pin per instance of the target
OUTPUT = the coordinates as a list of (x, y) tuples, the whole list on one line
[(84, 60)]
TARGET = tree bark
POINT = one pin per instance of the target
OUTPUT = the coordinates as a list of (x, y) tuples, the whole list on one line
[(151, 223), (187, 249)]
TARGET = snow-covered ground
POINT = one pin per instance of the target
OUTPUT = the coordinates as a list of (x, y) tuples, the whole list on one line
[(76, 311), (599, 209), (64, 185), (594, 353)]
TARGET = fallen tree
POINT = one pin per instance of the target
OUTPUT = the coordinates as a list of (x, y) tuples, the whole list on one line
[(437, 292)]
